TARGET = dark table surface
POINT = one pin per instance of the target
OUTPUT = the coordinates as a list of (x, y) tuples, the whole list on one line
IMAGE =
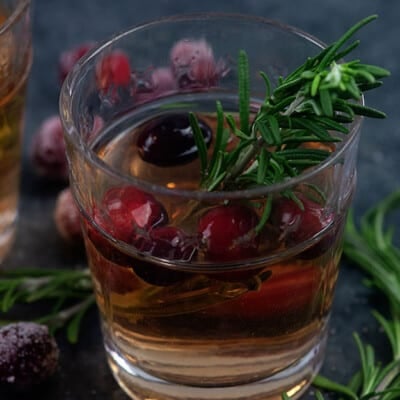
[(60, 24)]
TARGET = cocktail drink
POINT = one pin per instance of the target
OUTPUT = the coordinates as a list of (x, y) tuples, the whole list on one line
[(15, 63), (213, 240)]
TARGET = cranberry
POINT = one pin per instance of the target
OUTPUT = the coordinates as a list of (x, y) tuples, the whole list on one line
[(29, 354), (161, 82), (70, 57), (228, 233), (298, 225), (289, 291), (166, 242), (130, 213), (48, 150), (67, 217), (169, 141), (193, 63), (170, 243), (113, 71), (110, 266)]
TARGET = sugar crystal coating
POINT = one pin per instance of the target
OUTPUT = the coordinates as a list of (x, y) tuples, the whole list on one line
[(28, 354)]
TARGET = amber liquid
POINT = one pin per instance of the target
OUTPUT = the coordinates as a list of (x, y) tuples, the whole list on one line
[(12, 102), (205, 328)]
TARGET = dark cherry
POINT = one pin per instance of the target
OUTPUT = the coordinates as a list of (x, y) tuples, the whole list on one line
[(70, 57), (168, 140), (297, 225), (128, 213), (228, 233)]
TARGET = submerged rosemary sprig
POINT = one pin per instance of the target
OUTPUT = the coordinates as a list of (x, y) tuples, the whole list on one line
[(312, 104)]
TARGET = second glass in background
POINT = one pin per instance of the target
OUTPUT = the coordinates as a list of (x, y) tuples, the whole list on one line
[(15, 64)]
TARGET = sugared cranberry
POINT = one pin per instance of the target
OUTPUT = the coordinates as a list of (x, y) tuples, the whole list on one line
[(157, 83), (228, 233), (113, 71), (193, 63), (67, 217), (28, 354), (163, 80), (129, 213), (48, 150), (70, 57), (169, 141), (298, 225)]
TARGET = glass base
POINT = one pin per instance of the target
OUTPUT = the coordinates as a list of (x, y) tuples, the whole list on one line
[(294, 380)]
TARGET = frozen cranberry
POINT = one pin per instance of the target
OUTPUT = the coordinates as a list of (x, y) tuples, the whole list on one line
[(298, 225), (28, 354), (48, 150), (193, 63), (228, 233), (70, 57), (159, 82), (113, 71), (169, 141), (67, 217), (163, 80), (129, 213)]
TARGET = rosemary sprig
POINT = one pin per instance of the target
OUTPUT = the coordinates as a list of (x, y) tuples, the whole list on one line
[(312, 104), (371, 248), (69, 294)]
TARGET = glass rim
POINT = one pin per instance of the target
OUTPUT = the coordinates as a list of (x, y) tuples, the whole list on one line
[(66, 102), (19, 9)]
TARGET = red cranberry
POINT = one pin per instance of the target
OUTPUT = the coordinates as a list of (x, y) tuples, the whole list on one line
[(228, 233), (70, 57), (289, 291), (111, 267), (113, 71), (298, 225), (48, 150), (129, 213), (67, 217), (169, 141), (193, 63)]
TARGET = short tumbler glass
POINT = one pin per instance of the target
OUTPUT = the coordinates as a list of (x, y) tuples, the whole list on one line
[(15, 64), (198, 298)]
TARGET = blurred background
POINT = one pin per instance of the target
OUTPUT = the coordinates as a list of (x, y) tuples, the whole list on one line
[(59, 25)]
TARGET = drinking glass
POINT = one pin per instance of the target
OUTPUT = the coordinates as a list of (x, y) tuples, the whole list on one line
[(200, 299), (15, 64)]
